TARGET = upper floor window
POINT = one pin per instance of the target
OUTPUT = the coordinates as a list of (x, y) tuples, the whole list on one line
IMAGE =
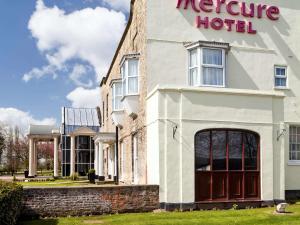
[(207, 67), (117, 96), (130, 74), (294, 143), (280, 76)]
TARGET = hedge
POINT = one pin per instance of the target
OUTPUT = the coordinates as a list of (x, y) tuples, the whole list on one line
[(11, 195)]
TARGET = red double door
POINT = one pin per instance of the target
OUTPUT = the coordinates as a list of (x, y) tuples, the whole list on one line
[(227, 165)]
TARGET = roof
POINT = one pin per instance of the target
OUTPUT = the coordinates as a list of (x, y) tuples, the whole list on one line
[(42, 130), (75, 118), (120, 43), (84, 117)]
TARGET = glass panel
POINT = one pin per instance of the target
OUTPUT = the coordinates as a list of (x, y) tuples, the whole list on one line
[(193, 58), (219, 150), (213, 76), (118, 89), (280, 71), (123, 79), (83, 156), (235, 147), (83, 142), (212, 57), (132, 67), (117, 96), (280, 82), (132, 85), (194, 78), (251, 151), (202, 147)]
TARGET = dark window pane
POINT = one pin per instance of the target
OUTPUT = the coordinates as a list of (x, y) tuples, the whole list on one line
[(66, 142), (219, 150), (235, 148), (251, 151), (202, 145)]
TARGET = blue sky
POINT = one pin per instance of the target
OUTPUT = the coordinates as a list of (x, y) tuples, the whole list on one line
[(53, 54)]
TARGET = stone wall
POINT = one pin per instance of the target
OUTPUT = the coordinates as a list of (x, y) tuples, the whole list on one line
[(79, 201), (134, 42)]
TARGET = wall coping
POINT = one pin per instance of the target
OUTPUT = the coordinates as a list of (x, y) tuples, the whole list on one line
[(89, 187)]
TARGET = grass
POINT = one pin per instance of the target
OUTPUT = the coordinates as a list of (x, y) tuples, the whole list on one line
[(55, 183), (264, 216)]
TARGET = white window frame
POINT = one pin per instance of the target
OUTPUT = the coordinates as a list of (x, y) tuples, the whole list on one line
[(135, 160), (125, 76), (293, 161), (280, 76), (114, 95), (122, 161), (201, 65)]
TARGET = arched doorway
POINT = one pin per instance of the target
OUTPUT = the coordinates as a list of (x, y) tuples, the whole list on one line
[(227, 165)]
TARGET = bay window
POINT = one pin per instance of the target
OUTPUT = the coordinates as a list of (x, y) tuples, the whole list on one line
[(130, 74), (207, 67), (117, 96)]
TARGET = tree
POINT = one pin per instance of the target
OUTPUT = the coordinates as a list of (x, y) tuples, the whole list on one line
[(2, 146)]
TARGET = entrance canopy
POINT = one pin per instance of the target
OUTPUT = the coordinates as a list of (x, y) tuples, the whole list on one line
[(43, 132)]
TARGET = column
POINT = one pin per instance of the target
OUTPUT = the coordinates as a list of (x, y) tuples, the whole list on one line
[(101, 162), (34, 159), (55, 156), (31, 158), (72, 159), (96, 163)]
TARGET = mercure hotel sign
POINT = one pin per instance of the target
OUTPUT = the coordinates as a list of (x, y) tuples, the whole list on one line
[(232, 8)]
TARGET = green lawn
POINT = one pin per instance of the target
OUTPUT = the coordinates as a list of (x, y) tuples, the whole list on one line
[(230, 217), (56, 183)]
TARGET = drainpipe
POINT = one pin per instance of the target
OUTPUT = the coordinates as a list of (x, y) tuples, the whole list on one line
[(117, 155)]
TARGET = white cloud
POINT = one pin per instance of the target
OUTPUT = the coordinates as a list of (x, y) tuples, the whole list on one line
[(119, 4), (78, 73), (84, 98), (89, 35), (11, 117)]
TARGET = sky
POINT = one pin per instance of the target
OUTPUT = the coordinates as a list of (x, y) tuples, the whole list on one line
[(53, 53)]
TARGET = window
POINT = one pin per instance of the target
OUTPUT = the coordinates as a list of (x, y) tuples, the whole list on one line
[(134, 158), (117, 96), (280, 76), (103, 114), (130, 74), (122, 157), (207, 67), (107, 106), (295, 143)]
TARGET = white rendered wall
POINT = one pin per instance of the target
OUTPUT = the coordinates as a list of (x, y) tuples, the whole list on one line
[(193, 110), (250, 65)]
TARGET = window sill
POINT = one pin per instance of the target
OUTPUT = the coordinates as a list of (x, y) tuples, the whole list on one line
[(294, 163), (282, 88)]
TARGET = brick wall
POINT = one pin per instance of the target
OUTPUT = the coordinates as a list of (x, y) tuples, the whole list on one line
[(76, 201)]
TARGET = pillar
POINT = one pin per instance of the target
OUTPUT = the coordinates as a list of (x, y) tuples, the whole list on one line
[(34, 158), (72, 158), (55, 167), (96, 160), (31, 158), (101, 162)]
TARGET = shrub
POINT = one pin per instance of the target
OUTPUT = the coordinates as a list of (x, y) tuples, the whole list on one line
[(91, 171), (11, 195), (74, 176)]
